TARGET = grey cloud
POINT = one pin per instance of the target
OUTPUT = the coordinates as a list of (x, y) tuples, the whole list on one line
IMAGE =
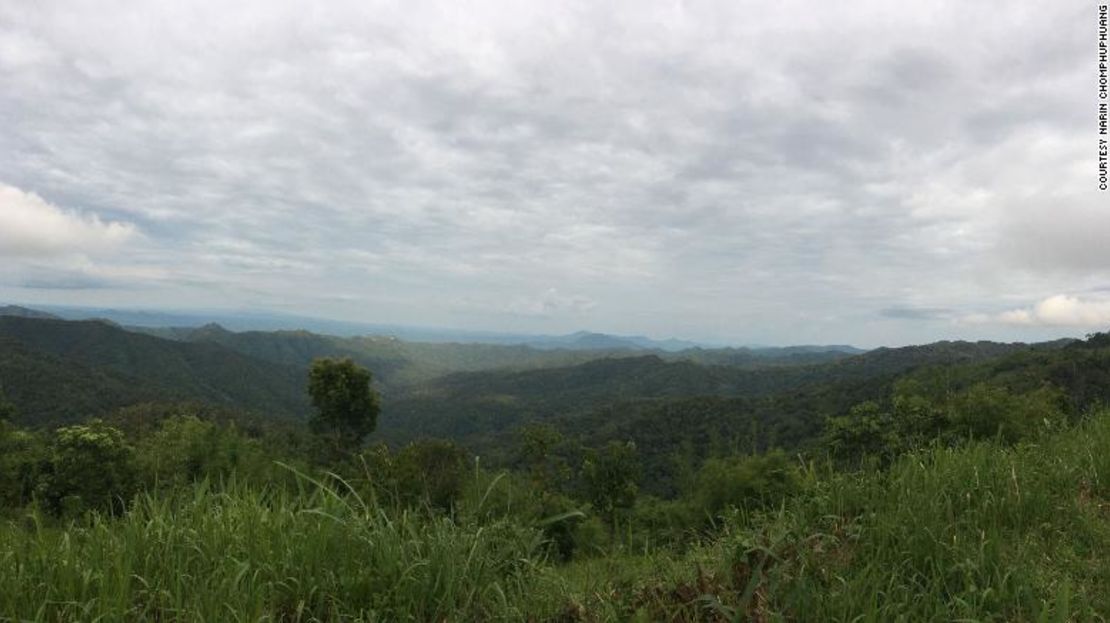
[(916, 313), (722, 167), (70, 282)]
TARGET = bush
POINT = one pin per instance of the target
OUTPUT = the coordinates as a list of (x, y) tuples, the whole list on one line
[(21, 456), (866, 431), (427, 473), (433, 470), (186, 449), (610, 477), (89, 467), (986, 412), (744, 482)]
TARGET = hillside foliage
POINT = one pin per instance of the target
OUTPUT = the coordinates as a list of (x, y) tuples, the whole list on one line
[(958, 481)]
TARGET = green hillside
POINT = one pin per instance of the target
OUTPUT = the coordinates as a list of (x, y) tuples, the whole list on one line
[(24, 312), (468, 405), (979, 530), (87, 368), (47, 390), (958, 480), (398, 363)]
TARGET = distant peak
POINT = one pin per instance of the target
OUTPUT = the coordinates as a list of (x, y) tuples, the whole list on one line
[(212, 327), (25, 312)]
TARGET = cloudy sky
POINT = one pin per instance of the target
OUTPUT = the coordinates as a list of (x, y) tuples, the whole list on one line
[(770, 172)]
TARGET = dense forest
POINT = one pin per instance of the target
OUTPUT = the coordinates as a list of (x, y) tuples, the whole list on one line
[(197, 474)]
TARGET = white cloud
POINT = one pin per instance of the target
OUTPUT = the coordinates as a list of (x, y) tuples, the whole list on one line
[(1061, 310), (32, 227)]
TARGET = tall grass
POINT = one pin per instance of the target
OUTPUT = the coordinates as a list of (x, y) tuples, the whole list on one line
[(983, 532), (977, 533), (244, 555)]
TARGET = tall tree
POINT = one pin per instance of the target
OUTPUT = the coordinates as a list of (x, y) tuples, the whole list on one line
[(346, 406), (7, 409), (610, 476)]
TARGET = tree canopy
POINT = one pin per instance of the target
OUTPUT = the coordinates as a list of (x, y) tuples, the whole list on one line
[(346, 406)]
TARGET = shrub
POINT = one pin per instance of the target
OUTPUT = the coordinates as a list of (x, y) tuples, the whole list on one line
[(88, 467), (744, 482)]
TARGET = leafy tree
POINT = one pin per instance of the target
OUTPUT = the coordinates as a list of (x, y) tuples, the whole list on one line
[(22, 454), (1098, 340), (346, 406), (537, 453), (7, 410), (985, 411), (186, 448), (431, 470), (918, 419), (610, 477), (865, 432), (90, 466), (744, 481)]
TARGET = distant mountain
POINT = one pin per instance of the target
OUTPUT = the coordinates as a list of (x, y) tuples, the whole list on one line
[(173, 324), (766, 356), (394, 362), (814, 348), (397, 363), (110, 367), (48, 390), (470, 405), (24, 312), (588, 340), (260, 321), (584, 340)]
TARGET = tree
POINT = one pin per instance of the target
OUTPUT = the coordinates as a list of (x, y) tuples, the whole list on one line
[(918, 419), (90, 466), (744, 481), (430, 470), (346, 406), (610, 476), (186, 448), (1097, 340), (22, 454), (537, 454), (865, 432), (984, 411), (7, 409)]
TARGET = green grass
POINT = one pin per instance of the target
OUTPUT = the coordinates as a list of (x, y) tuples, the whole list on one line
[(978, 533), (241, 555)]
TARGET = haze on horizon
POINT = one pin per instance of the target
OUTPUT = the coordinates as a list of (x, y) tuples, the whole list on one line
[(776, 173)]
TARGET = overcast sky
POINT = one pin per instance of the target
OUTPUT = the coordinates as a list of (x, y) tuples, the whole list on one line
[(772, 172)]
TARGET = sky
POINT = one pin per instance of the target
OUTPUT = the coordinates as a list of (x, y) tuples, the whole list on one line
[(785, 172)]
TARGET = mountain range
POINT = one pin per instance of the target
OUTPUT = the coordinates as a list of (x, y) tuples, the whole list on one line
[(269, 321)]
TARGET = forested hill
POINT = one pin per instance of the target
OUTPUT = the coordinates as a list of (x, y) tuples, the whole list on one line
[(397, 363), (394, 362), (23, 312), (49, 390), (57, 370), (472, 405)]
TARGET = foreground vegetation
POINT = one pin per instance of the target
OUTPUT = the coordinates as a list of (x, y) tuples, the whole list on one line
[(971, 492), (979, 532)]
